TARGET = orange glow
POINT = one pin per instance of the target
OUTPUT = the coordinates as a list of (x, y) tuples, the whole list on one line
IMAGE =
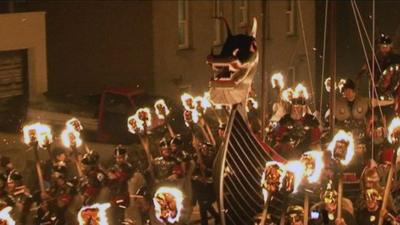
[(341, 84), (394, 130), (5, 217), (187, 101), (39, 133), (272, 182), (161, 109), (253, 102), (190, 116), (343, 136), (298, 169), (94, 214), (144, 115), (134, 124), (168, 203), (301, 91), (277, 81), (71, 138), (313, 165), (287, 95), (75, 124)]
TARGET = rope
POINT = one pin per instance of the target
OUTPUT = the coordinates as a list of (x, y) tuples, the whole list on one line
[(306, 51), (323, 61)]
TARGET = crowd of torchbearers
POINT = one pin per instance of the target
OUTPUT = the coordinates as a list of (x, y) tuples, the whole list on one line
[(356, 143)]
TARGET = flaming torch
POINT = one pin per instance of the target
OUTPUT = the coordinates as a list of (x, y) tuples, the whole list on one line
[(287, 95), (291, 181), (313, 165), (271, 182), (162, 112), (138, 124), (168, 203), (342, 149), (38, 136), (213, 107), (5, 217), (70, 138), (277, 81), (188, 101), (201, 105), (94, 214), (393, 138)]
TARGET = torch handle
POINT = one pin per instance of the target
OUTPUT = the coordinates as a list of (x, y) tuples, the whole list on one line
[(210, 134), (39, 169), (170, 130), (306, 207), (386, 194), (144, 140), (203, 130), (77, 161), (265, 211), (199, 156), (340, 196)]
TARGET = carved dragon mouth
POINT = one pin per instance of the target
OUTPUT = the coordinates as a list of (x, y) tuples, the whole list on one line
[(224, 68)]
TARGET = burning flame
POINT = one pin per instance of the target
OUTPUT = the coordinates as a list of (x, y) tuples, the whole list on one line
[(144, 115), (287, 95), (5, 217), (298, 169), (277, 81), (71, 138), (190, 116), (313, 165), (134, 124), (75, 124), (94, 214), (300, 92), (202, 103), (253, 102), (39, 133), (347, 137), (327, 84), (161, 109), (264, 177), (341, 84), (187, 101), (168, 203), (394, 130)]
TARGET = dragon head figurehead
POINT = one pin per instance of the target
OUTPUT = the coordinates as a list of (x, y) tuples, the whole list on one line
[(234, 67)]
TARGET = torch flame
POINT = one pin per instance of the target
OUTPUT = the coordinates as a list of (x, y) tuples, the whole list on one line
[(264, 177), (313, 165), (144, 115), (71, 138), (297, 168), (347, 137), (94, 214), (341, 84), (300, 91), (202, 104), (5, 217), (394, 130), (327, 83), (253, 102), (187, 101), (39, 133), (287, 95), (277, 81), (190, 116), (168, 203), (134, 124), (75, 124), (161, 109)]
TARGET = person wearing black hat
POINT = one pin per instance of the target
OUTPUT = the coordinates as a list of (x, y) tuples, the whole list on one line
[(384, 55), (297, 131), (94, 179), (61, 194), (167, 168), (119, 175), (203, 182)]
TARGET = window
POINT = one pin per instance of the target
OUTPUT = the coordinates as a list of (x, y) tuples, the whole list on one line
[(218, 23), (183, 24), (291, 18), (243, 13)]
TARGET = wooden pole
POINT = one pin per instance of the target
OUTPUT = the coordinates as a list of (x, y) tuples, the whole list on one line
[(332, 61), (306, 207), (264, 87), (265, 210), (38, 168), (340, 196)]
